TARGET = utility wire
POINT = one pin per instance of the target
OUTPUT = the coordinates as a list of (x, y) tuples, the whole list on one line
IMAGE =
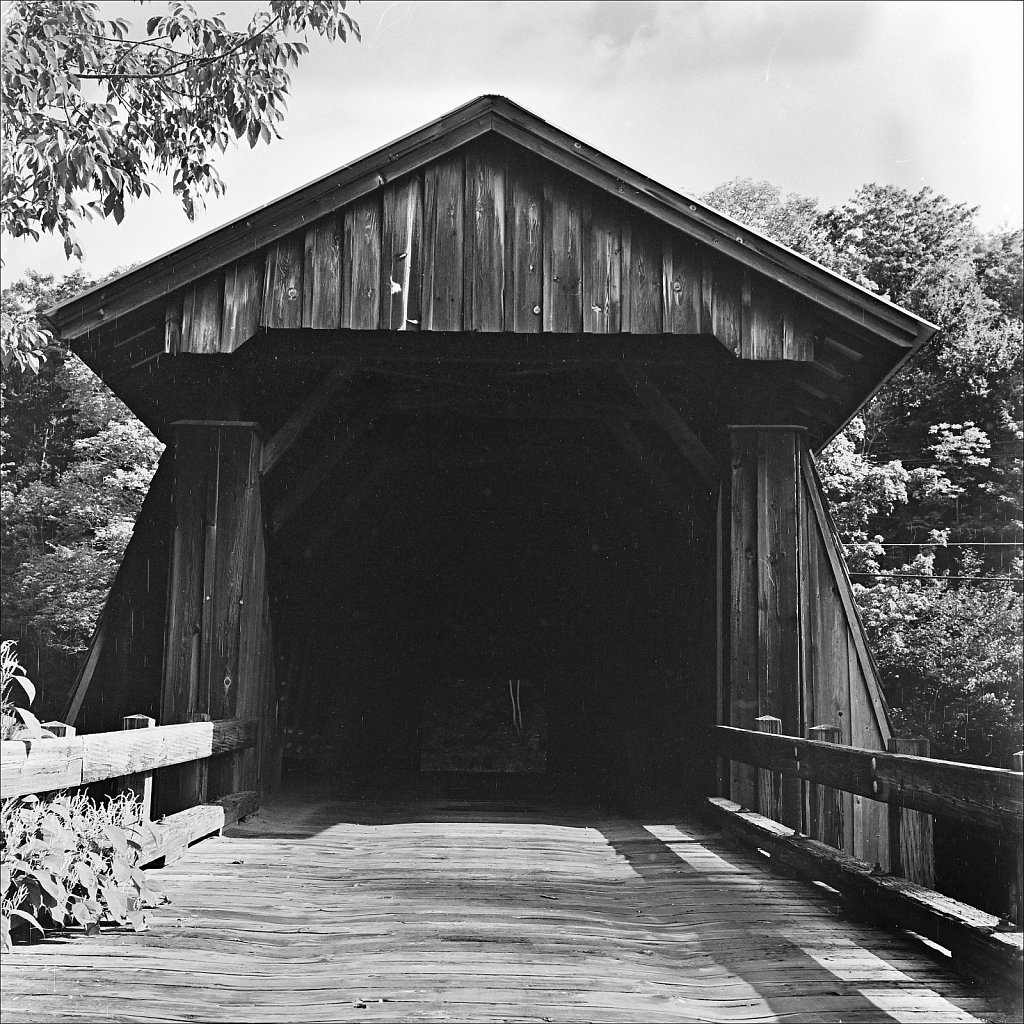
[(938, 579)]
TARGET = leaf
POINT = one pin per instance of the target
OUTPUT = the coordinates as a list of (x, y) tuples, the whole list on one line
[(116, 903)]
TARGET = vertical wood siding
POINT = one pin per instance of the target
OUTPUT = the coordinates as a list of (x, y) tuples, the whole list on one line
[(490, 239), (797, 646), (215, 662), (121, 674)]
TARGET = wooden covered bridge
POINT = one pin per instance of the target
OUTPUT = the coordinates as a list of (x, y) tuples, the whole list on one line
[(488, 452)]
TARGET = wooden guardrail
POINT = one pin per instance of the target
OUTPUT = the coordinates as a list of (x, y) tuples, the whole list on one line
[(991, 797), (41, 766), (67, 761), (982, 945)]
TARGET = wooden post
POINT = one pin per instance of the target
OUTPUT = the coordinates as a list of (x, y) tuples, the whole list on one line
[(769, 783), (766, 664), (217, 632), (1018, 894), (911, 849), (826, 803), (60, 729), (141, 783)]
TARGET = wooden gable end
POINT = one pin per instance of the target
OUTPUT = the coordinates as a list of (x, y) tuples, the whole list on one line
[(490, 239)]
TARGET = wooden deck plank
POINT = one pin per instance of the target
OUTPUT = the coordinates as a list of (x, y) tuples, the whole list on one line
[(329, 910)]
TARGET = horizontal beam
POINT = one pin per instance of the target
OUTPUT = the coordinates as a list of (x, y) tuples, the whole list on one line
[(989, 797), (169, 838), (40, 766), (971, 935)]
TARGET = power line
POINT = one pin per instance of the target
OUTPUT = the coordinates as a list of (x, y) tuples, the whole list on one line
[(952, 544), (938, 579)]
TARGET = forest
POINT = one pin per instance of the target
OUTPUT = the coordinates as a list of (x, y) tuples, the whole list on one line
[(925, 485)]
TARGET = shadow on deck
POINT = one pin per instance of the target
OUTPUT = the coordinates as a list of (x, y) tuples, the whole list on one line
[(440, 908)]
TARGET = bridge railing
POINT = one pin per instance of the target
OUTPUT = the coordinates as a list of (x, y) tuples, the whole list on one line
[(993, 798), (33, 766)]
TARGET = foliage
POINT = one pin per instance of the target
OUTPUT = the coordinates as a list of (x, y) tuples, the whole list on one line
[(76, 468), (932, 466), (793, 220), (69, 860), (94, 115), (952, 660), (65, 860), (16, 722)]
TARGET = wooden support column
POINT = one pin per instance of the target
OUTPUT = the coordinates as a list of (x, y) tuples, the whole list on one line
[(766, 670), (216, 629)]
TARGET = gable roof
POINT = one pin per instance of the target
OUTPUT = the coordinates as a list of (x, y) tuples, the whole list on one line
[(486, 114)]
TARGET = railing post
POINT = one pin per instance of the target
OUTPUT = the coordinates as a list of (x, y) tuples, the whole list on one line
[(141, 783), (825, 803), (911, 847), (769, 783), (1018, 894), (60, 729)]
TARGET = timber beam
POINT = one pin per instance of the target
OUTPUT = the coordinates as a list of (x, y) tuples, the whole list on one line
[(320, 471), (667, 417), (303, 418)]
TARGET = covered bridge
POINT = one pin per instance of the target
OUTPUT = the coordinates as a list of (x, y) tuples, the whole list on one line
[(487, 411)]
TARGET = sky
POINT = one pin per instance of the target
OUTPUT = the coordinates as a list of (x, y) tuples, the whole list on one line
[(817, 98)]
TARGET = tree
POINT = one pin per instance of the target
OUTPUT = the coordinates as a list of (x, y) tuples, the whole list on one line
[(793, 220), (93, 115), (76, 467)]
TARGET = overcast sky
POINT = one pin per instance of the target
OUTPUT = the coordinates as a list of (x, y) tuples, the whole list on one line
[(818, 98)]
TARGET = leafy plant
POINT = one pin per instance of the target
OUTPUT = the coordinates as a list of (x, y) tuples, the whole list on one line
[(17, 721), (70, 861), (66, 860)]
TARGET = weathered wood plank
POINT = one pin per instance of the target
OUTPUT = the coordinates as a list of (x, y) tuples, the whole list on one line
[(43, 766), (485, 243), (682, 286), (401, 255), (243, 301), (990, 797), (168, 838), (978, 948), (282, 282), (797, 330), (766, 334), (722, 301), (855, 631), (778, 594), (201, 316), (173, 314), (646, 280), (443, 250), (361, 265), (524, 262), (602, 279), (321, 273), (743, 643), (563, 258)]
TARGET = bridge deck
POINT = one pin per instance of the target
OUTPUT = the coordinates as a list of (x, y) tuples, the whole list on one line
[(451, 910)]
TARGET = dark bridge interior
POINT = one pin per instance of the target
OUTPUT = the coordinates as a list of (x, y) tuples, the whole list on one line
[(454, 545)]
